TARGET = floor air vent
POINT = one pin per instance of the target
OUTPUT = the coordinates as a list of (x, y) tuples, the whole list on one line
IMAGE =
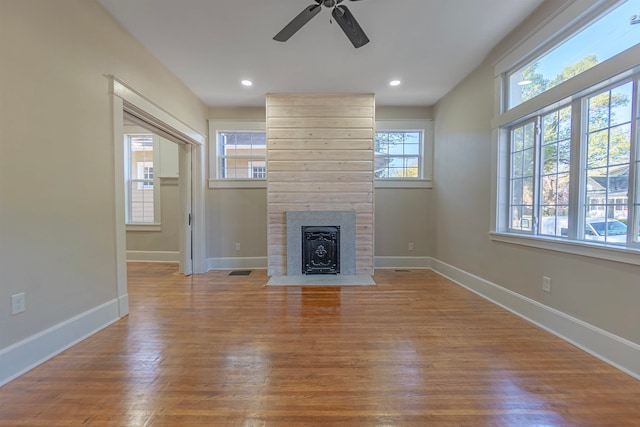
[(240, 273)]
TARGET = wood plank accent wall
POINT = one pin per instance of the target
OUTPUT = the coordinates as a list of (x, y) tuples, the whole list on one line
[(320, 157)]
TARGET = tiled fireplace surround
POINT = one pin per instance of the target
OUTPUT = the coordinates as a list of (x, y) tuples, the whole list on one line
[(346, 220)]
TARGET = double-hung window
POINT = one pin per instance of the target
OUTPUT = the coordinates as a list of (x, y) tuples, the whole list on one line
[(142, 192), (569, 151), (241, 154), (238, 153), (402, 153)]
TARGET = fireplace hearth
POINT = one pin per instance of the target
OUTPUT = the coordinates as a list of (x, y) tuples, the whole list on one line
[(320, 249)]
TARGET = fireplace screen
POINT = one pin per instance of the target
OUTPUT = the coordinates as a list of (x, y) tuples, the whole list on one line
[(321, 250)]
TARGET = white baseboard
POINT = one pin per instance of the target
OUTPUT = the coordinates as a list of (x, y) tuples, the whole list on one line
[(612, 349), (153, 256), (123, 305), (389, 262), (25, 355), (254, 263), (261, 262)]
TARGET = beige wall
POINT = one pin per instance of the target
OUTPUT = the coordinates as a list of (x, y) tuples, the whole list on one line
[(602, 293), (166, 239), (402, 216), (57, 233)]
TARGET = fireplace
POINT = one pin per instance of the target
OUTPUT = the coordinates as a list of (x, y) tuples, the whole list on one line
[(333, 230), (320, 250)]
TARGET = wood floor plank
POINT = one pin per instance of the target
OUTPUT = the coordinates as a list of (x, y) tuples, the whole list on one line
[(415, 350)]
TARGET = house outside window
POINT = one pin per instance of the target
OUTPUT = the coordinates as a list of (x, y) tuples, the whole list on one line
[(258, 169), (569, 158)]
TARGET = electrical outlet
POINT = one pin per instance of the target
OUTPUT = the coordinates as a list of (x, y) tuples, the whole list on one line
[(410, 246), (17, 303), (237, 247), (546, 284)]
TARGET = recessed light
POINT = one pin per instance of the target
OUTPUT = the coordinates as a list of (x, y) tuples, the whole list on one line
[(394, 83), (247, 83)]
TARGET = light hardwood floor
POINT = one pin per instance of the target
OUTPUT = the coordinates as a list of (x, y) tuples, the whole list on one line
[(415, 350)]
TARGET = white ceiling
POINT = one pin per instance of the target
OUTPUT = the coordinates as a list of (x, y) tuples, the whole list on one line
[(430, 45)]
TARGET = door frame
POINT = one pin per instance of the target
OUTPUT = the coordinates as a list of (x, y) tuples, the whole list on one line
[(126, 99)]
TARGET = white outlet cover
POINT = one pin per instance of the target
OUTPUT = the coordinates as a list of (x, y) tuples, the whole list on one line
[(17, 303)]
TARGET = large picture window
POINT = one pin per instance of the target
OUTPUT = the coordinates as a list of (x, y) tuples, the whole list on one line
[(568, 159), (541, 167)]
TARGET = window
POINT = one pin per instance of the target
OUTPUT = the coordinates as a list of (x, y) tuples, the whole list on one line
[(141, 191), (237, 150), (541, 165), (540, 174), (608, 149), (555, 180), (402, 152), (522, 178), (568, 170), (599, 41), (238, 154), (397, 154)]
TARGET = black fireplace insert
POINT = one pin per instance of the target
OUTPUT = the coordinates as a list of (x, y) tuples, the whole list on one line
[(320, 249)]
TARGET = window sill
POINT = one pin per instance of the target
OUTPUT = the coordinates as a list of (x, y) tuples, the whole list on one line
[(237, 183), (403, 183), (144, 227), (601, 251)]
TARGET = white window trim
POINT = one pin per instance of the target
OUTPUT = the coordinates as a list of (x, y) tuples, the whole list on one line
[(608, 252), (216, 126), (426, 156), (602, 75), (157, 224)]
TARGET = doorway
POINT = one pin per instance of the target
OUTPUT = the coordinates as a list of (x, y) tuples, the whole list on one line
[(155, 171), (126, 102)]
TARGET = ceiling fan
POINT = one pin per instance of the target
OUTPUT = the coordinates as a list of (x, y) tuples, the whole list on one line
[(340, 13)]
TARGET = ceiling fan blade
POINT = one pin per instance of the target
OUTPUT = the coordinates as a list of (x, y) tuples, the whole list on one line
[(298, 22), (350, 26)]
